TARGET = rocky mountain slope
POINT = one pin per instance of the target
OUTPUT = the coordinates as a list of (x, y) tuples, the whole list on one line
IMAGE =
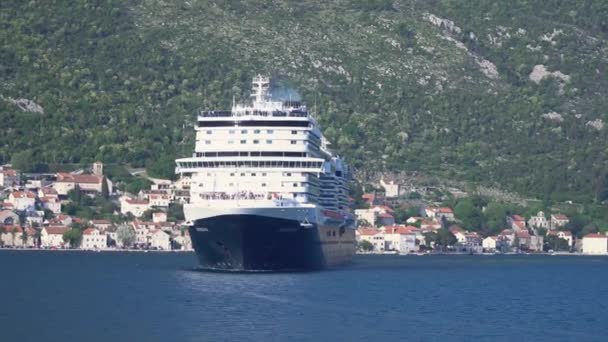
[(509, 94)]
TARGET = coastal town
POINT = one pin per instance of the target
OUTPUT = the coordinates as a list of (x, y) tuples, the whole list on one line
[(431, 228), (34, 212)]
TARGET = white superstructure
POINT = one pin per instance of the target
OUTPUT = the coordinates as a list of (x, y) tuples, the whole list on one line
[(263, 156)]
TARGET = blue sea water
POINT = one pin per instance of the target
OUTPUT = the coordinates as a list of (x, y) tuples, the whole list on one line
[(78, 296)]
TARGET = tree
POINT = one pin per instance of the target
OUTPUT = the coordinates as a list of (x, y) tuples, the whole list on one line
[(366, 246), (73, 237), (445, 238), (37, 237), (105, 193), (555, 243), (414, 195), (23, 160), (24, 237), (175, 212), (75, 195), (126, 235), (48, 214), (363, 223)]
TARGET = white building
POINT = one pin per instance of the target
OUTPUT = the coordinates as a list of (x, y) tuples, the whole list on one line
[(516, 222), (446, 213), (159, 239), (93, 239), (102, 225), (539, 221), (489, 244), (142, 232), (391, 189), (558, 221), (48, 192), (16, 236), (134, 206), (52, 237), (12, 236), (87, 183), (401, 239), (98, 168), (51, 203), (366, 215), (459, 233), (8, 177), (159, 217), (22, 200), (373, 236), (159, 200), (595, 244)]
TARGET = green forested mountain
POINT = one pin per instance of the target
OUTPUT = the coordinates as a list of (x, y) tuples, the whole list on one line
[(512, 93)]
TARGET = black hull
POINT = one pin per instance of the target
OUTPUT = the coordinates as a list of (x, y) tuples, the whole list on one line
[(251, 242)]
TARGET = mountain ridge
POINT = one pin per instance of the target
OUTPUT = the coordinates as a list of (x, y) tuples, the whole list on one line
[(440, 87)]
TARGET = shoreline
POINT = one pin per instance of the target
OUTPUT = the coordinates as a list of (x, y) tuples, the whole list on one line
[(357, 253), (93, 250), (484, 254)]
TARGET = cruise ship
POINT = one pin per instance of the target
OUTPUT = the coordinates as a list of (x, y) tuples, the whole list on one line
[(266, 192)]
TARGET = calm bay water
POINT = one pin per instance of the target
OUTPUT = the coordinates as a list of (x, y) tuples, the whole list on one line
[(77, 296)]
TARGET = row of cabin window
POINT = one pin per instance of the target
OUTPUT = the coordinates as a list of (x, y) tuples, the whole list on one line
[(297, 164), (230, 142), (253, 174), (295, 185), (256, 131), (251, 154)]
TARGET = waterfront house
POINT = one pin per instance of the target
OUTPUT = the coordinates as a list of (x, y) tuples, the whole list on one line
[(143, 231), (558, 221), (373, 236), (52, 237), (92, 238), (400, 238), (17, 236), (183, 239), (539, 221), (160, 240), (595, 244), (22, 200), (489, 244), (11, 236)]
